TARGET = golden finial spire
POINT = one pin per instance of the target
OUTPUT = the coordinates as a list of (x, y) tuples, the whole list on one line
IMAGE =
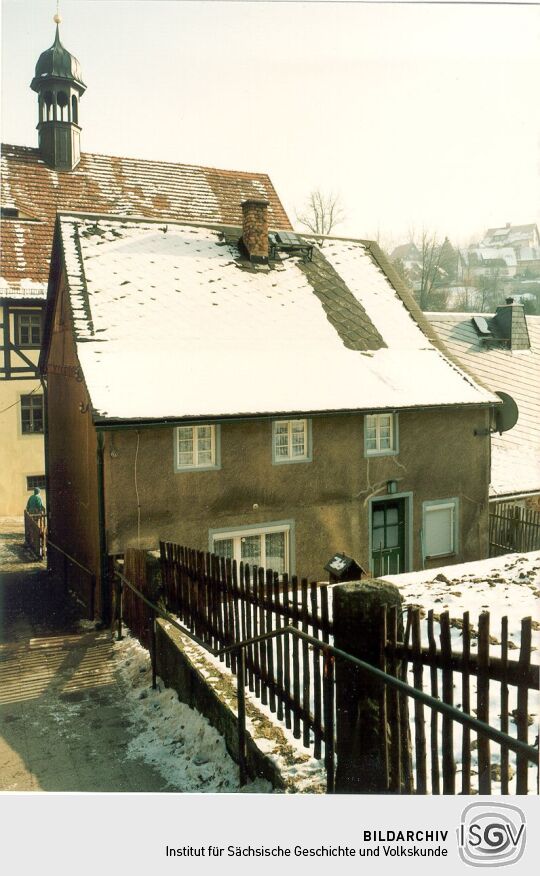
[(57, 18)]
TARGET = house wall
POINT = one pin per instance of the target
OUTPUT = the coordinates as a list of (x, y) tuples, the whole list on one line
[(20, 455), (72, 453), (327, 498)]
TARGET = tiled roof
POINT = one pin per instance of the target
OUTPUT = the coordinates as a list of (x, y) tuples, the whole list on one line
[(516, 453), (171, 322), (107, 184)]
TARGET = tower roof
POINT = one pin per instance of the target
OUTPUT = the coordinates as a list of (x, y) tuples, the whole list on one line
[(57, 63)]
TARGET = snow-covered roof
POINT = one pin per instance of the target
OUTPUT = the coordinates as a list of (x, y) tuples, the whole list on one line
[(26, 289), (171, 321), (515, 458)]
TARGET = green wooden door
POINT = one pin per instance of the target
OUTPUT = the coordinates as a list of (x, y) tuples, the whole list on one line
[(388, 537)]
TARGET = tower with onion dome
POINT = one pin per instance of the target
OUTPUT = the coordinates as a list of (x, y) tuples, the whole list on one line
[(59, 86)]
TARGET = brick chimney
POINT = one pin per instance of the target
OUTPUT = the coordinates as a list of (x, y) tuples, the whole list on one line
[(255, 229), (512, 325)]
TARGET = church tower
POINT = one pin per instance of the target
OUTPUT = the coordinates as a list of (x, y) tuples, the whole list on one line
[(59, 86)]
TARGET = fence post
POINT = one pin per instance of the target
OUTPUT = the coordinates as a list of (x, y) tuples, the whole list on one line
[(361, 762)]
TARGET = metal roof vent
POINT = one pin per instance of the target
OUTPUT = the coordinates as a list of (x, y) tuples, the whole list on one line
[(481, 326)]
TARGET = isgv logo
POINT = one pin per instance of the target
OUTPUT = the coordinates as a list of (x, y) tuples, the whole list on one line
[(491, 834)]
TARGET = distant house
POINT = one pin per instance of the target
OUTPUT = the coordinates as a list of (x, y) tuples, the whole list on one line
[(240, 390), (521, 238), (524, 240), (503, 351), (58, 176)]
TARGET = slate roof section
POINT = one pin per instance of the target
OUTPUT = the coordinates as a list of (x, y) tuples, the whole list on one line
[(123, 186), (171, 323), (342, 309), (516, 453)]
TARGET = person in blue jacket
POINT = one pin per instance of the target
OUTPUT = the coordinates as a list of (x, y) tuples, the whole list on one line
[(34, 504)]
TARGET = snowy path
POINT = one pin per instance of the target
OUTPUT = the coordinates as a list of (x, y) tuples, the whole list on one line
[(77, 711)]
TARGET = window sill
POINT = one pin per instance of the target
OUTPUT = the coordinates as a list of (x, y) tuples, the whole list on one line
[(370, 453), (195, 468), (291, 461)]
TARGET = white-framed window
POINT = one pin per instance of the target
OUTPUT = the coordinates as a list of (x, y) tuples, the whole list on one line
[(380, 434), (291, 441), (196, 447), (28, 328), (440, 527), (32, 414), (268, 546)]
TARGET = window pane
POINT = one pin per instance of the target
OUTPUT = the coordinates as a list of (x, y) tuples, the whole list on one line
[(223, 547), (377, 539), (392, 536), (378, 518), (371, 432), (185, 445), (275, 551), (298, 434), (204, 445), (391, 515), (281, 445), (250, 549)]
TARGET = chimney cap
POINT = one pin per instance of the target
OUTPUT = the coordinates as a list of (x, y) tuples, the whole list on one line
[(508, 300), (255, 202)]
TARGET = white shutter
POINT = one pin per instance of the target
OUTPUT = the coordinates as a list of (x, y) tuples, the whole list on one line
[(439, 529)]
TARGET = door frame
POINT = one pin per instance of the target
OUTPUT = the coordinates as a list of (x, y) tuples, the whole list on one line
[(389, 497)]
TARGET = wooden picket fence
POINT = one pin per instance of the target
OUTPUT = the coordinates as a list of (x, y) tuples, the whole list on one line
[(223, 603), (35, 533), (446, 749), (512, 529)]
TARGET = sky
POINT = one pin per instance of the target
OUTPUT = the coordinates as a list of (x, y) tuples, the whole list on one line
[(417, 116)]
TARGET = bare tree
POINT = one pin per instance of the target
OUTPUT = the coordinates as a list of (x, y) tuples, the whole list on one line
[(321, 213), (437, 263)]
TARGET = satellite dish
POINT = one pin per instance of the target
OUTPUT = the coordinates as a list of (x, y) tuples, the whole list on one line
[(507, 415)]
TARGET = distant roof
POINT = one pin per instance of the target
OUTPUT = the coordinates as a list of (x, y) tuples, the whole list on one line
[(108, 184), (516, 453), (510, 234), (405, 251), (170, 321)]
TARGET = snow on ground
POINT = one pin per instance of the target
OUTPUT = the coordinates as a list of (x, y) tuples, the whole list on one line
[(505, 586), (178, 741)]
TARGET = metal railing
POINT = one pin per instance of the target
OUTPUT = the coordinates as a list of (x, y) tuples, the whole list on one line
[(329, 652), (66, 560)]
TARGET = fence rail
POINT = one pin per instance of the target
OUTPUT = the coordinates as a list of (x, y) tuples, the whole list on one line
[(513, 529), (35, 533)]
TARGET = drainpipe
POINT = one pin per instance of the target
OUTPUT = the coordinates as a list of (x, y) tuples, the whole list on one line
[(46, 453), (103, 563)]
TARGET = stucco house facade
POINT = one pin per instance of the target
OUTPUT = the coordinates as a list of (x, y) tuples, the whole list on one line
[(243, 390)]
